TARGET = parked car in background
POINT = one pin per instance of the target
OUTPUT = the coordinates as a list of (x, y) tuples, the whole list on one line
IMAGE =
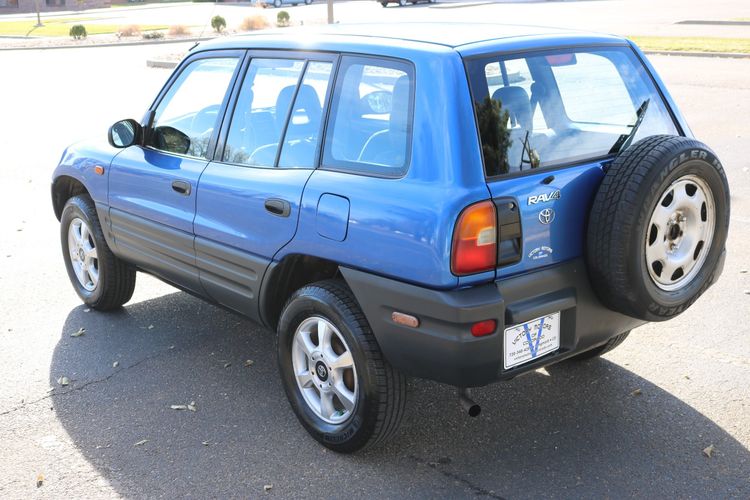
[(402, 3), (279, 3), (464, 203)]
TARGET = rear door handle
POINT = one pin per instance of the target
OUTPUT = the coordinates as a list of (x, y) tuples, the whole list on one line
[(282, 208), (181, 187)]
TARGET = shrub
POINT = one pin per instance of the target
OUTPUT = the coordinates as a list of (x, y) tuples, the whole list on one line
[(282, 18), (252, 23), (153, 35), (218, 23), (178, 30), (78, 31), (130, 30)]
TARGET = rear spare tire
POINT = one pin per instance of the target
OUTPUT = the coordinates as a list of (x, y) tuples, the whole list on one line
[(658, 227)]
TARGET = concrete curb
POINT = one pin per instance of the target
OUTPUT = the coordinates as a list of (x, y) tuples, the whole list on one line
[(151, 63), (119, 44), (726, 55), (156, 63), (715, 23)]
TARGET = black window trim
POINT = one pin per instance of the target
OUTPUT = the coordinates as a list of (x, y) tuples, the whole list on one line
[(147, 121), (570, 162), (355, 168), (306, 57)]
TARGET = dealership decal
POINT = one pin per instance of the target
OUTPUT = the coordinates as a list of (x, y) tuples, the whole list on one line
[(540, 253)]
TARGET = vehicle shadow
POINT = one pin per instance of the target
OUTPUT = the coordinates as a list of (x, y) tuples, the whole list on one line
[(578, 431)]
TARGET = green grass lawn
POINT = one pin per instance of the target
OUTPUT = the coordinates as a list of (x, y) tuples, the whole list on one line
[(60, 26), (693, 44)]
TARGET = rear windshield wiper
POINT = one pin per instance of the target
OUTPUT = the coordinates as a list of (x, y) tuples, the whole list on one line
[(534, 159), (624, 140)]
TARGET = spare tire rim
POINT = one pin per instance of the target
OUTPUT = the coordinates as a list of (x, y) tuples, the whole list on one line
[(680, 232), (324, 370), (83, 254)]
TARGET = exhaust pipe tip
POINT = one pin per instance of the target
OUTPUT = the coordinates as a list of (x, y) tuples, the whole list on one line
[(468, 404)]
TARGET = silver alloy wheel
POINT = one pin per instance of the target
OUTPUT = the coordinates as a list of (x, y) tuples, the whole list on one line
[(679, 234), (83, 256), (324, 370)]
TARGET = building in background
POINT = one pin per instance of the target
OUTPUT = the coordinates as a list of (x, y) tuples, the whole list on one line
[(17, 6)]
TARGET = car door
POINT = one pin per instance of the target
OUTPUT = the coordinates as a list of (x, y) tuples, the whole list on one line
[(152, 186), (249, 197)]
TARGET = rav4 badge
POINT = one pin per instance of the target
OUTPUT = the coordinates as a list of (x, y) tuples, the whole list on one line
[(544, 197)]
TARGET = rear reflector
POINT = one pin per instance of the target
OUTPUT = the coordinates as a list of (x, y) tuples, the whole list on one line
[(405, 319), (475, 239), (483, 328)]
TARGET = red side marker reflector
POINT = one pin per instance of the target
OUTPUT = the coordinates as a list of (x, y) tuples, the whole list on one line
[(405, 319), (483, 328), (99, 170)]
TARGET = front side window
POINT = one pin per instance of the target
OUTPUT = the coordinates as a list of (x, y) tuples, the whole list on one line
[(371, 117), (552, 108), (185, 119)]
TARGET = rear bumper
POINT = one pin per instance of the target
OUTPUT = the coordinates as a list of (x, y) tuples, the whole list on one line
[(442, 347)]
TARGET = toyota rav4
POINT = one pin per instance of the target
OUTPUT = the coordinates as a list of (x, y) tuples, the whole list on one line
[(461, 203)]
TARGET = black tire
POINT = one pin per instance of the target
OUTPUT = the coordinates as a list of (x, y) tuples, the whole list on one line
[(620, 222), (382, 389), (116, 279), (384, 4), (602, 349), (402, 3)]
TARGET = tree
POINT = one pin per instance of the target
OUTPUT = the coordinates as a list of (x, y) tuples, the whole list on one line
[(493, 131), (218, 23), (38, 16), (282, 18), (78, 31)]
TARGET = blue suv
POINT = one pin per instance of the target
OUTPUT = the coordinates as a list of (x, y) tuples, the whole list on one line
[(462, 203)]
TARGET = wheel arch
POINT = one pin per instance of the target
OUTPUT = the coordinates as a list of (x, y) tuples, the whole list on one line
[(65, 187), (285, 277)]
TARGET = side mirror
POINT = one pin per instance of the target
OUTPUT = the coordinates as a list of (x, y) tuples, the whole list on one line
[(125, 133), (378, 102)]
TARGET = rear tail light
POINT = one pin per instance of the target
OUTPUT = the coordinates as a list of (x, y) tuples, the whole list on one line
[(475, 239)]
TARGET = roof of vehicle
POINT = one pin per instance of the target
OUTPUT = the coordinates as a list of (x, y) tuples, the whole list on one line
[(429, 36)]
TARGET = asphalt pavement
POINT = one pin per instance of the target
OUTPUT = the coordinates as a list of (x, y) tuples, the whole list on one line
[(632, 424)]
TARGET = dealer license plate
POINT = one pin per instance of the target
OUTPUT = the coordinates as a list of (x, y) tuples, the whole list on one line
[(531, 340)]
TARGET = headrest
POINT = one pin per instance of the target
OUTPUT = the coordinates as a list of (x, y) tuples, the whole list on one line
[(516, 102)]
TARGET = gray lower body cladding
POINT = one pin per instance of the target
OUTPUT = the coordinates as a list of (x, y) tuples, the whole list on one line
[(442, 348)]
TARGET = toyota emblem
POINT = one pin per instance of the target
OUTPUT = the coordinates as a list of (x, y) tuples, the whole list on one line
[(546, 216)]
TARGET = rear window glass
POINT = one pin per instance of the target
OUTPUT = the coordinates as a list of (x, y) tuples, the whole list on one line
[(371, 114), (552, 108)]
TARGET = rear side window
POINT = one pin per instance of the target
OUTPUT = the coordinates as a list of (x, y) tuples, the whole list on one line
[(371, 117), (552, 108)]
